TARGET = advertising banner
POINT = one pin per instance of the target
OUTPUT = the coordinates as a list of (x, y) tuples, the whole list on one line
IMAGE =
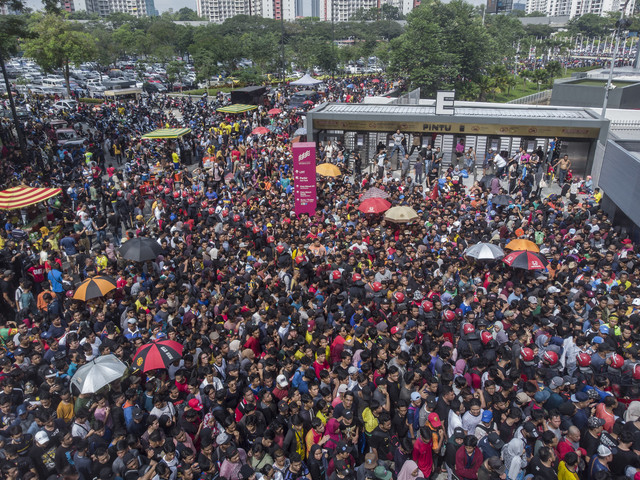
[(304, 176)]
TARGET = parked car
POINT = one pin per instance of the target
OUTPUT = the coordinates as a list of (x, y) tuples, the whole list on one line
[(68, 137), (65, 105)]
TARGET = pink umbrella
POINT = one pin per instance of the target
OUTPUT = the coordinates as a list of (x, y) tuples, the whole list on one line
[(274, 111), (260, 131)]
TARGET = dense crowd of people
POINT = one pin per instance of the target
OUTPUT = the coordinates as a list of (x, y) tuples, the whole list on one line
[(333, 347)]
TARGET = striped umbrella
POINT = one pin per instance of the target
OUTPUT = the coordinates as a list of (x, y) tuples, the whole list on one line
[(374, 192), (237, 108), (94, 287), (157, 355), (167, 133), (526, 260), (23, 196)]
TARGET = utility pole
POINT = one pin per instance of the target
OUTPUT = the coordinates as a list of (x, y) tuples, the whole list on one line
[(14, 113), (621, 24), (282, 39)]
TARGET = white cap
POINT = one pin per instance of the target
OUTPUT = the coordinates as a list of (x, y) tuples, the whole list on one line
[(281, 380), (635, 301), (42, 437), (342, 388), (604, 451), (352, 370)]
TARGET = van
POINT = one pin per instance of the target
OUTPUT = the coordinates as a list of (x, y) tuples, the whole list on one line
[(297, 99), (54, 82)]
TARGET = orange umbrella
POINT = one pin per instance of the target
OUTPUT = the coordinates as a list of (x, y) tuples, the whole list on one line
[(23, 196), (522, 244)]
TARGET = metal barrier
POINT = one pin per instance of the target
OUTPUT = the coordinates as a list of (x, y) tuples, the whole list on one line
[(535, 99)]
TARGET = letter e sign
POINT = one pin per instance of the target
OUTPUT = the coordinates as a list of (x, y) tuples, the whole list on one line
[(444, 102)]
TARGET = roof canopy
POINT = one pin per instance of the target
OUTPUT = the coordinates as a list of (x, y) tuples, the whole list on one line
[(23, 196), (167, 133), (237, 108), (307, 80)]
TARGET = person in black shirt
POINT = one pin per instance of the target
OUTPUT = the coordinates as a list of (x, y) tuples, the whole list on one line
[(380, 440), (591, 439), (542, 465), (399, 426), (624, 456)]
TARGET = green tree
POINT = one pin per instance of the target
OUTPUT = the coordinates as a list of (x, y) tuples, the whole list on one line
[(553, 69), (443, 46), (175, 71), (590, 25), (185, 14), (56, 44)]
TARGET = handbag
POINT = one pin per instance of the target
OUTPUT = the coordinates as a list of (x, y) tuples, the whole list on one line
[(543, 183)]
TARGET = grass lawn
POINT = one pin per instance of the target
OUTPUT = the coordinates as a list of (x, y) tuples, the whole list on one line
[(529, 88)]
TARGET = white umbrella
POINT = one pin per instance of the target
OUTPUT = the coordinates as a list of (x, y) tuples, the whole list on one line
[(97, 373), (484, 251)]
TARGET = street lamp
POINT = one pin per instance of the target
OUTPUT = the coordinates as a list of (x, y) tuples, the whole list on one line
[(621, 24)]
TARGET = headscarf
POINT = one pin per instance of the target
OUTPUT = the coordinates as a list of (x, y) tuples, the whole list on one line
[(460, 367), (541, 342), (513, 458), (633, 412), (407, 470)]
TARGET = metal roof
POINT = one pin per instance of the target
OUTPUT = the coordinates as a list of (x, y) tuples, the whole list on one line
[(519, 112)]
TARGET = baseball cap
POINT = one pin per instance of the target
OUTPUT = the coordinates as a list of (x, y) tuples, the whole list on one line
[(495, 440), (530, 428), (370, 461), (487, 416), (434, 419), (542, 396), (222, 438), (532, 299), (394, 330), (595, 422), (342, 447), (496, 465), (195, 404), (281, 380), (42, 437), (431, 401), (415, 396), (522, 398), (352, 370), (604, 451), (579, 397), (246, 471), (556, 382)]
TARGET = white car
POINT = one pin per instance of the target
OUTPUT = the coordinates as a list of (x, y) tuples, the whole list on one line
[(65, 105)]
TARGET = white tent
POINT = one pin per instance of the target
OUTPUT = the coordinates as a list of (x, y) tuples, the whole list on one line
[(306, 81)]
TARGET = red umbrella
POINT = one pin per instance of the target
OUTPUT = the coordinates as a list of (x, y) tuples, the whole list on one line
[(375, 80), (307, 102), (526, 260), (260, 131), (274, 111), (153, 356), (374, 205)]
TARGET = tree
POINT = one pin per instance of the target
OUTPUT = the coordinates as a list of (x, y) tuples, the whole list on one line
[(590, 25), (175, 71), (553, 69), (444, 46), (185, 14), (56, 44)]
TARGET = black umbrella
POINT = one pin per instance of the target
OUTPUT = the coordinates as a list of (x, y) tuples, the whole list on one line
[(486, 181), (502, 200), (140, 249)]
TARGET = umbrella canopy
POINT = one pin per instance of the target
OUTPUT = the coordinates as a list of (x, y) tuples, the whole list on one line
[(374, 205), (375, 80), (401, 215), (502, 200), (374, 192), (351, 85), (23, 196), (522, 244), (526, 260), (94, 287), (260, 131), (156, 355), (484, 251), (328, 170), (274, 111), (99, 372), (167, 133), (307, 102), (140, 249), (300, 131)]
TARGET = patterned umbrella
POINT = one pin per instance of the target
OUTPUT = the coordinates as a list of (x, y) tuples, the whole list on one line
[(374, 205), (526, 260), (94, 287), (484, 251), (18, 197), (374, 192), (157, 355)]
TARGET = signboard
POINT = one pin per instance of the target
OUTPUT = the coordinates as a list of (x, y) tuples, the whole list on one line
[(492, 6), (456, 128), (304, 177), (444, 102)]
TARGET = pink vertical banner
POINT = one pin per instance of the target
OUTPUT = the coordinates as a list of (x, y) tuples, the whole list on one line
[(304, 177)]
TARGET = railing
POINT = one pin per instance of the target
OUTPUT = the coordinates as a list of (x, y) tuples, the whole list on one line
[(535, 99)]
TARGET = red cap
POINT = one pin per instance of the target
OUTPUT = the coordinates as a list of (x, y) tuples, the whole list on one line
[(236, 218), (486, 337), (434, 420), (280, 248), (377, 286), (270, 239), (191, 200), (336, 275), (167, 191), (468, 328), (311, 324), (195, 404), (394, 330), (176, 194), (212, 210), (356, 277)]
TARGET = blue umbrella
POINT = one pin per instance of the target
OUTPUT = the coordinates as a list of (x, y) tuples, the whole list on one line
[(351, 85), (300, 131)]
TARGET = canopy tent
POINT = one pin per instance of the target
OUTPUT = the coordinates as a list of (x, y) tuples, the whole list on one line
[(237, 108), (306, 81), (167, 133), (23, 196)]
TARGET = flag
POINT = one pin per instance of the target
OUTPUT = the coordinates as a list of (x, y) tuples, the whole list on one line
[(434, 192)]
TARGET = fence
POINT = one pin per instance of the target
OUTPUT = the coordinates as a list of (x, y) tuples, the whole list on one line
[(537, 98)]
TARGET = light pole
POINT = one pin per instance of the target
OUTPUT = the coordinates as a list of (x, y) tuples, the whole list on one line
[(282, 38), (14, 113), (621, 24)]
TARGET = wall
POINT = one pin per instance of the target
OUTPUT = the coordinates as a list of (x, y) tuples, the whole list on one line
[(568, 94), (619, 179)]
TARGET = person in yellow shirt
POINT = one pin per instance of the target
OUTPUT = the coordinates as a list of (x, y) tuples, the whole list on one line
[(370, 418), (568, 468), (65, 408)]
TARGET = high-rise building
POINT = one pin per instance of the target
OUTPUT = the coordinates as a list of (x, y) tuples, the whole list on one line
[(576, 8), (137, 8)]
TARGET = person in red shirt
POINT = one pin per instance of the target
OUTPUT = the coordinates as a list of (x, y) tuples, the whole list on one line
[(181, 382), (321, 362), (468, 459), (253, 342)]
